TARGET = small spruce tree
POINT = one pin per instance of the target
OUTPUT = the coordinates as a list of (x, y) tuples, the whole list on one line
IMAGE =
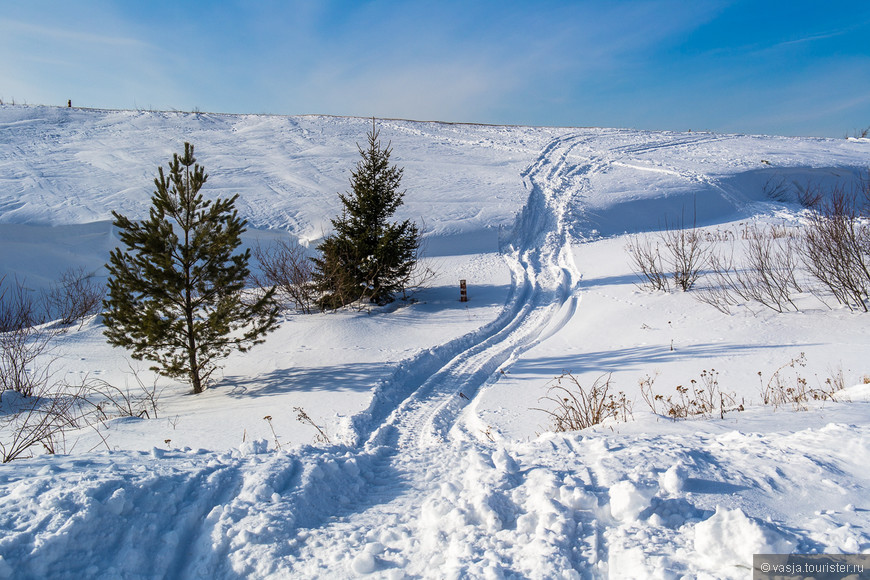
[(175, 289), (368, 257)]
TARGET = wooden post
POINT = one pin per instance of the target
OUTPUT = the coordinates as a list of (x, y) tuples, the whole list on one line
[(463, 293)]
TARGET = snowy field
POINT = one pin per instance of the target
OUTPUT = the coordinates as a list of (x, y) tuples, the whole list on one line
[(439, 462)]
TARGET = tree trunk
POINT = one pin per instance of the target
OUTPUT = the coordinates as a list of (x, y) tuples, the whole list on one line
[(191, 353)]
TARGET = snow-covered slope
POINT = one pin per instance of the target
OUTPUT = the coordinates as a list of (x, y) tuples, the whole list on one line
[(435, 466)]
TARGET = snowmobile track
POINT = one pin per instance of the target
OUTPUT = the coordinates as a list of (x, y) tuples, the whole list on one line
[(422, 437)]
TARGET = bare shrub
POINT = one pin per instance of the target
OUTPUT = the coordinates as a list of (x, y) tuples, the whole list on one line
[(421, 275), (686, 253), (836, 249), (74, 297), (285, 266), (809, 195), (23, 343), (689, 254), (18, 308), (721, 292), (647, 261), (776, 190), (110, 401), (708, 395), (20, 351), (833, 248), (771, 267), (577, 408), (767, 275), (39, 420), (35, 409), (837, 381), (719, 235), (794, 389)]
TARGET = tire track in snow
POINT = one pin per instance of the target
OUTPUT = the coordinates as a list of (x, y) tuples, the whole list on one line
[(543, 280)]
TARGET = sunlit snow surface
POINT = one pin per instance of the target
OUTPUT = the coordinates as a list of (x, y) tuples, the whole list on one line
[(439, 465)]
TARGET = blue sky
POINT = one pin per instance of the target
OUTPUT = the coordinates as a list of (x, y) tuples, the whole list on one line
[(789, 68)]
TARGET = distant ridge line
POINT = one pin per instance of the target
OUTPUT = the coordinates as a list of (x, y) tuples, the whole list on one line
[(329, 115)]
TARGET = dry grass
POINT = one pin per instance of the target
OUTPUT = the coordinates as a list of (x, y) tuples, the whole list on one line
[(702, 398), (787, 386), (576, 407)]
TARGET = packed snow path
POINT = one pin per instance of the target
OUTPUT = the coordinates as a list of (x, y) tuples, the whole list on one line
[(430, 459)]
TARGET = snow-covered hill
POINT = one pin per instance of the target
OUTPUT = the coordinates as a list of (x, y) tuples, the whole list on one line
[(439, 464)]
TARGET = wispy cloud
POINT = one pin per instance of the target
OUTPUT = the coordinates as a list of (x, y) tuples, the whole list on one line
[(18, 31), (426, 60), (811, 38)]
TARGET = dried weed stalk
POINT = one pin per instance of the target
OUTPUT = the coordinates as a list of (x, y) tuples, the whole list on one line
[(579, 408)]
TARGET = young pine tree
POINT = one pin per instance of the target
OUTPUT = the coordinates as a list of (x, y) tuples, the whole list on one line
[(175, 289), (368, 257)]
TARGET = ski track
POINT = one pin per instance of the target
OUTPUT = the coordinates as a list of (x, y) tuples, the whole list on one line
[(419, 479)]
